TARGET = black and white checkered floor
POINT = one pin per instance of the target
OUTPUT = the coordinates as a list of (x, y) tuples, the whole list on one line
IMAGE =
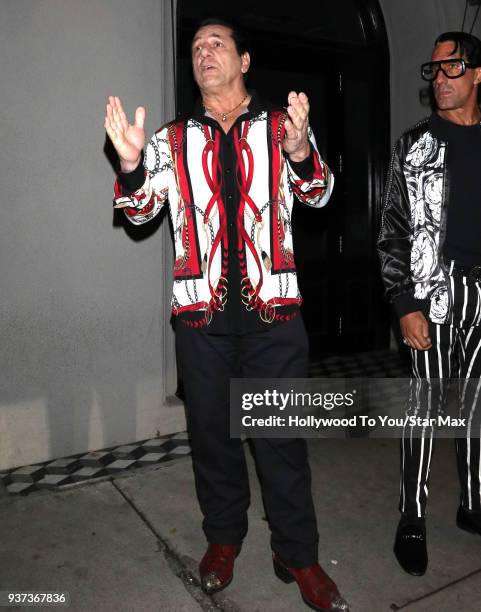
[(114, 461), (372, 364), (87, 466)]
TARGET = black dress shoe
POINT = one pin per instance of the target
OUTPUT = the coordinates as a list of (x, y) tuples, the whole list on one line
[(410, 548), (468, 520)]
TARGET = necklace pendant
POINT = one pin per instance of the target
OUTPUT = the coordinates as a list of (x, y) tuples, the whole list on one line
[(224, 117)]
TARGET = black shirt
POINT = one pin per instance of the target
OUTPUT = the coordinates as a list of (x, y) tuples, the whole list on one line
[(463, 231)]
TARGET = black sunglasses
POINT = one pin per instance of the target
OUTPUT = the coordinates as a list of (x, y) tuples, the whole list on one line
[(452, 68)]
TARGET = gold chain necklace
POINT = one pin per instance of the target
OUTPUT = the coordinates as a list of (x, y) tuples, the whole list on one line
[(222, 115)]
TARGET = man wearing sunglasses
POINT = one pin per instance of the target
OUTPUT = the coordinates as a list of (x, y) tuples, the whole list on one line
[(430, 252)]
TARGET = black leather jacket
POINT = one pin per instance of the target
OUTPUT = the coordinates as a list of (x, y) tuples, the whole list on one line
[(413, 226)]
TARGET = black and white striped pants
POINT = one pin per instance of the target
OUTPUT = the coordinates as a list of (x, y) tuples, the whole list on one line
[(455, 353)]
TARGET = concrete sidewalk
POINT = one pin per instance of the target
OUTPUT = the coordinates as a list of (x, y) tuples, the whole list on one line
[(133, 543)]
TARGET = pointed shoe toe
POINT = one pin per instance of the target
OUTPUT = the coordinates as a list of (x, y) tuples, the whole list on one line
[(318, 591), (216, 568)]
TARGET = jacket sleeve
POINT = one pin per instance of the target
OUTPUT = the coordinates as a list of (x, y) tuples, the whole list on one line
[(394, 243), (143, 192), (314, 190)]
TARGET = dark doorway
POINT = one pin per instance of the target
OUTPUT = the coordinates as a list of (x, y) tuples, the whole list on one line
[(338, 54)]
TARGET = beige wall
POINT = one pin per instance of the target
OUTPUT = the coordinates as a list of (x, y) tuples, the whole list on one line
[(86, 351)]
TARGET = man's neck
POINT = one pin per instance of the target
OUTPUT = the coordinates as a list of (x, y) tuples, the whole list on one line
[(225, 107), (225, 100), (461, 116)]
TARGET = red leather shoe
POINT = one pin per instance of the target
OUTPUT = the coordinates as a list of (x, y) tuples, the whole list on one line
[(318, 591), (217, 567)]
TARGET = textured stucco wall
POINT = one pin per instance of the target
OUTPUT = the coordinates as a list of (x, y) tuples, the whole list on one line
[(86, 352)]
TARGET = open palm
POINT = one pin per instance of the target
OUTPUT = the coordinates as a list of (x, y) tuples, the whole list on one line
[(127, 139)]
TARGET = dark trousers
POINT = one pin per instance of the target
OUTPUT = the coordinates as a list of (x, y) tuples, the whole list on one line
[(207, 362), (455, 353)]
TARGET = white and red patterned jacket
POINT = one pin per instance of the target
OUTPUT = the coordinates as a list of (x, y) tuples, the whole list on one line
[(182, 164)]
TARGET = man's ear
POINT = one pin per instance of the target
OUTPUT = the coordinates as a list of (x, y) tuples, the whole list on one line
[(477, 77), (245, 62)]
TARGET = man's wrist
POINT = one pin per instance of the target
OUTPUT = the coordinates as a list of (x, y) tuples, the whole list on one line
[(127, 167), (133, 179), (301, 155)]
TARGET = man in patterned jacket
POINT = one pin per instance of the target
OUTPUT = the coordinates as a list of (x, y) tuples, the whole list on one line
[(230, 173), (430, 251)]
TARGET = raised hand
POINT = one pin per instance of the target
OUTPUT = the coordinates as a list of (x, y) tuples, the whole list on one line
[(127, 139), (296, 141)]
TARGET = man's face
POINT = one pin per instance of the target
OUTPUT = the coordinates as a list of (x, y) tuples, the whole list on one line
[(215, 60), (453, 94)]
